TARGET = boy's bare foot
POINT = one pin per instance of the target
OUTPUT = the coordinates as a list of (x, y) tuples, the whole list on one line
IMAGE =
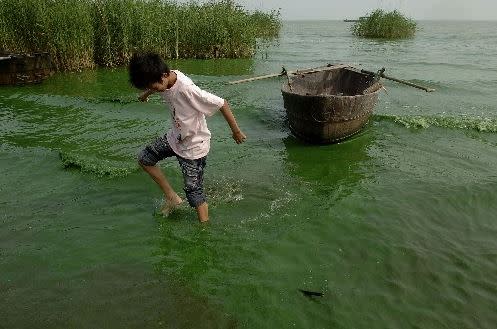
[(170, 204)]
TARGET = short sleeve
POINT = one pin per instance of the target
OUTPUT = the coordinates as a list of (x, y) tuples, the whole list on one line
[(203, 101)]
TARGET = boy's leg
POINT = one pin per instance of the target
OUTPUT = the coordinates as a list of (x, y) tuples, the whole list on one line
[(158, 176), (203, 212), (193, 175), (148, 158)]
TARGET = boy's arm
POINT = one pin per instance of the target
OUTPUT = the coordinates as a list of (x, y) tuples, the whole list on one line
[(144, 95), (238, 135)]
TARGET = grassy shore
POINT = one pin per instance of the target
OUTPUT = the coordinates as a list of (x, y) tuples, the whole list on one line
[(385, 25), (86, 33)]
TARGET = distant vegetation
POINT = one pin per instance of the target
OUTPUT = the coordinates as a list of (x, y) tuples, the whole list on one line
[(387, 25), (85, 33)]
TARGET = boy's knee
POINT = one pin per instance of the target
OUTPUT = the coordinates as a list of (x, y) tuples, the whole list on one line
[(194, 194), (146, 158)]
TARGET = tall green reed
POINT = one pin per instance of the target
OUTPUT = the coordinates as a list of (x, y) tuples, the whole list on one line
[(84, 33), (386, 25), (60, 27)]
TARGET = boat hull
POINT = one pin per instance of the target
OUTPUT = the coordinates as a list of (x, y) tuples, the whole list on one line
[(328, 107), (20, 69)]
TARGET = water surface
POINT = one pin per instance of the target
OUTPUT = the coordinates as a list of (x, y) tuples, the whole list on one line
[(396, 227)]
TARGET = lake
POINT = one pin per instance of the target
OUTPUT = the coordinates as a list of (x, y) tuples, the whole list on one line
[(396, 227)]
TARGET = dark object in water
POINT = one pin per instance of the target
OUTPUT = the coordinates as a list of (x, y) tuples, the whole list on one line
[(355, 20), (20, 69), (329, 104), (308, 293)]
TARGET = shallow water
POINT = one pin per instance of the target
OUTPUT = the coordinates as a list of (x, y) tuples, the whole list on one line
[(395, 226)]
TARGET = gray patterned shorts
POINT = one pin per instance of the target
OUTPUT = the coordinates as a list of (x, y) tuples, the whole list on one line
[(193, 170)]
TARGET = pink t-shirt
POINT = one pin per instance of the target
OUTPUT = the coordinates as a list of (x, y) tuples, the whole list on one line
[(189, 136)]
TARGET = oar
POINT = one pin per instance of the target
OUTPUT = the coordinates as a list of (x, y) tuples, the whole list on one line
[(259, 78), (381, 74), (285, 72)]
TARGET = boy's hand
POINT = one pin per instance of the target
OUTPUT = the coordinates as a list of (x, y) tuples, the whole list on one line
[(143, 97), (239, 137)]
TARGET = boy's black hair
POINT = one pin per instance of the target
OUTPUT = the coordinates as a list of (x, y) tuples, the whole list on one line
[(145, 69)]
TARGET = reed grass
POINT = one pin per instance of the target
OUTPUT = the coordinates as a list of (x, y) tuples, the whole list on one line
[(84, 33), (385, 25)]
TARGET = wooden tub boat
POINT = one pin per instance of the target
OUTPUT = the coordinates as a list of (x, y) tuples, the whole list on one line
[(329, 104)]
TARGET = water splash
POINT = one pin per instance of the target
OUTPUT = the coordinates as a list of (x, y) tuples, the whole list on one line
[(224, 190)]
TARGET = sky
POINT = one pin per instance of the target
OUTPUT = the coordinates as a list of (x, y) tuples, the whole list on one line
[(341, 9)]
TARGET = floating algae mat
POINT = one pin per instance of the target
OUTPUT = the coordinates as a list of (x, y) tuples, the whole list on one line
[(96, 166)]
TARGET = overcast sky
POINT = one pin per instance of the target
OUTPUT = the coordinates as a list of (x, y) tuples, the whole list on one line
[(417, 9)]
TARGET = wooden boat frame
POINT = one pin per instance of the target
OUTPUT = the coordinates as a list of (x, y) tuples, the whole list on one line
[(329, 104), (20, 69)]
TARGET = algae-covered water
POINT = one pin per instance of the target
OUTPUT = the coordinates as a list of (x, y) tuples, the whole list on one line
[(396, 227)]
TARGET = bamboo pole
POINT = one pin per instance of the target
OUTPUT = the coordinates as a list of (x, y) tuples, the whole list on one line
[(296, 72), (381, 74), (257, 78)]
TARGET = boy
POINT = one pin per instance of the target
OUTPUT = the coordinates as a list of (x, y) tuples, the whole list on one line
[(189, 138)]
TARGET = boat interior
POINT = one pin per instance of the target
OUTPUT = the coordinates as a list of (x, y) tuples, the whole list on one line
[(335, 82)]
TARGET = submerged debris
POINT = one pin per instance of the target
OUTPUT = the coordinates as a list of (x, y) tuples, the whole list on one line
[(309, 293)]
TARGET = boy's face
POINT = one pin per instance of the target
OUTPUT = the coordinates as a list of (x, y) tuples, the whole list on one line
[(161, 85)]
